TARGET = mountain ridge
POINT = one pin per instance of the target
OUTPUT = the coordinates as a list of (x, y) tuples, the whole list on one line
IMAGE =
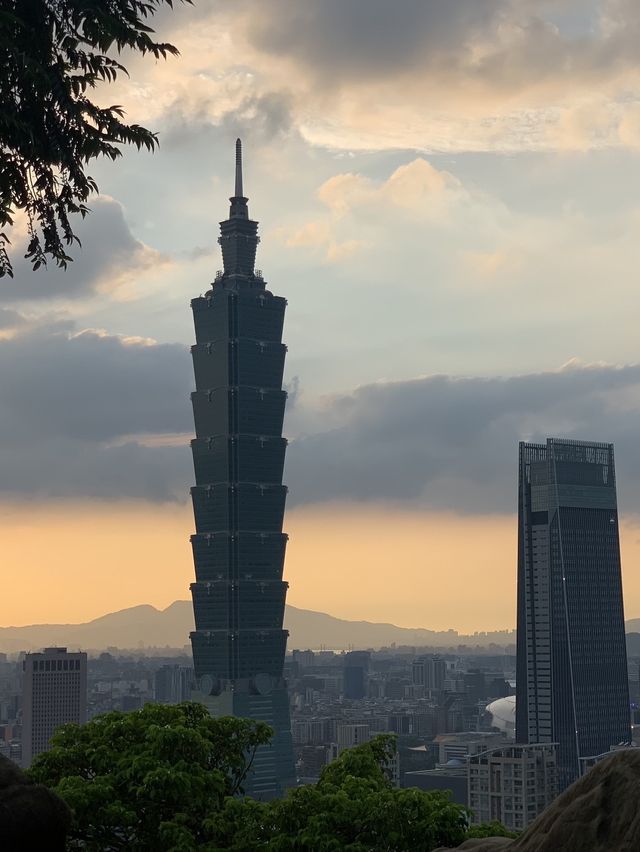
[(145, 626)]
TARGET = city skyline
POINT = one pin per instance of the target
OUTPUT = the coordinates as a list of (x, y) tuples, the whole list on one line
[(417, 182)]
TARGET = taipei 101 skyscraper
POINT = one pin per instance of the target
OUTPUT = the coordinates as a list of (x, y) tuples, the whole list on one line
[(238, 499)]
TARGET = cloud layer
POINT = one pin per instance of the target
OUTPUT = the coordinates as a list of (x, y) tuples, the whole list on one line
[(407, 267), (459, 75), (88, 414), (449, 443), (108, 258), (79, 409)]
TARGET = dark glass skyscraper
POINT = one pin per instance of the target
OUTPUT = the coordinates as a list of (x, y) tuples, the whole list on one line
[(572, 685), (238, 500)]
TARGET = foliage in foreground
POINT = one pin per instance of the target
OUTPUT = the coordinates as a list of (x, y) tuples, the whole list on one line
[(52, 54), (169, 778), (490, 829), (353, 807), (148, 780)]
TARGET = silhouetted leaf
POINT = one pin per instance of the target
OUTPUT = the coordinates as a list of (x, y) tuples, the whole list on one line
[(52, 52)]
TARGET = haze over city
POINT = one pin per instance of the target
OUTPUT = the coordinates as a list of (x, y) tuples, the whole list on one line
[(453, 218)]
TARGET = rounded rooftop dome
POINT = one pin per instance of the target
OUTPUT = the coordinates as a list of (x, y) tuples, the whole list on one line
[(503, 712)]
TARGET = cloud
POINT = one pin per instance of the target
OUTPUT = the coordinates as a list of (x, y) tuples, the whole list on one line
[(320, 236), (91, 385), (266, 117), (369, 38), (311, 234), (468, 270), (491, 265), (415, 189), (413, 186), (78, 407), (629, 127), (507, 45), (109, 258), (88, 414), (10, 320), (448, 443), (368, 74)]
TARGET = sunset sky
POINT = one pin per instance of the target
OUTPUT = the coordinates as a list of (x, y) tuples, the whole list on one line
[(449, 198)]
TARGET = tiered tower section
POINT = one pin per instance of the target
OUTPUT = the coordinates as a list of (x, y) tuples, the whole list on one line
[(239, 499)]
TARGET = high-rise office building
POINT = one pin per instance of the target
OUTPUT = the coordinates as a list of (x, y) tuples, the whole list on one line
[(238, 500), (54, 692), (356, 667), (571, 680)]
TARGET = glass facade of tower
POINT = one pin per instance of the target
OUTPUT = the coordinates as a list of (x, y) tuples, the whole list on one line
[(572, 686), (239, 499)]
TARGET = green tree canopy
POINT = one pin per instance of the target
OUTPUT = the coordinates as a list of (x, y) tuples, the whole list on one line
[(353, 807), (151, 779), (52, 54), (170, 779)]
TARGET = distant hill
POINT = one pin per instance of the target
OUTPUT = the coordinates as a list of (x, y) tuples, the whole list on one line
[(138, 626), (633, 643), (147, 627), (310, 629)]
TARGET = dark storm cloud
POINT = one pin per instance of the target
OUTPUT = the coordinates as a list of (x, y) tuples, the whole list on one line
[(448, 443), (508, 43), (91, 386), (84, 415), (75, 409), (108, 249), (370, 37), (54, 468)]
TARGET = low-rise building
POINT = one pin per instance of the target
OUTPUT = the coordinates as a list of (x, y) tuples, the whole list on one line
[(452, 777), (464, 744), (512, 784), (352, 735)]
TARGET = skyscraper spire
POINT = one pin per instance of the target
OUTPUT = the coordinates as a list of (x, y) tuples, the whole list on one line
[(239, 237), (238, 209), (239, 193)]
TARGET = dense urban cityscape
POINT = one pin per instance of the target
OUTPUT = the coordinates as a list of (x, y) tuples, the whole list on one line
[(453, 714)]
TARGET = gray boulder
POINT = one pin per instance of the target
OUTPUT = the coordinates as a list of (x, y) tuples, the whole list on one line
[(32, 817)]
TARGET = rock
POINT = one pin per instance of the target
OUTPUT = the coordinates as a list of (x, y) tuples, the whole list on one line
[(483, 844), (32, 817), (599, 813)]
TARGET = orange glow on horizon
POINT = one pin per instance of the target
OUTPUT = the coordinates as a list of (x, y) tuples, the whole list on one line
[(72, 562)]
